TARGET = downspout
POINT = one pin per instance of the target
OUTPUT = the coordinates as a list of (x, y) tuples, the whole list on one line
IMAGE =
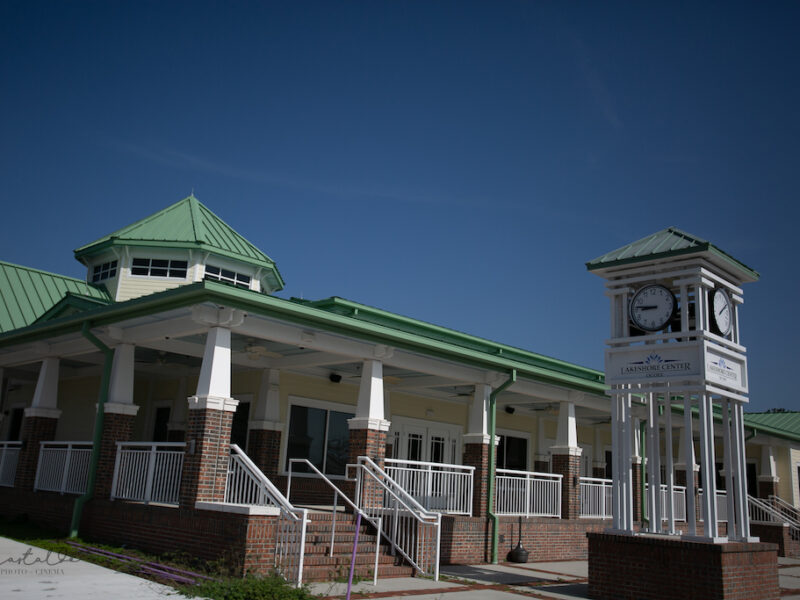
[(642, 474), (492, 418), (77, 509)]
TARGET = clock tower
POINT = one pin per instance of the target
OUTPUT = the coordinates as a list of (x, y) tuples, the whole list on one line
[(674, 358)]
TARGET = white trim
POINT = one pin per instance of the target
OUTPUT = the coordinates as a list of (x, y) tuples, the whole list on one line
[(239, 509), (368, 423), (213, 402), (38, 411), (120, 408)]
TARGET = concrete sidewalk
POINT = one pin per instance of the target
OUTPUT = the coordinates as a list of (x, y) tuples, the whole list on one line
[(31, 573)]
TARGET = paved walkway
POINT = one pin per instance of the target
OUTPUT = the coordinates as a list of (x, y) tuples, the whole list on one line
[(30, 573)]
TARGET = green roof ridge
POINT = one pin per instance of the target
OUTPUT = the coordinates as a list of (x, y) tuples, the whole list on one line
[(665, 243), (187, 223)]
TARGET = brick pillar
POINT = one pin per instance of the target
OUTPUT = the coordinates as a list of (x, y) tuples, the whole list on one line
[(264, 449), (569, 466), (39, 425), (117, 427), (767, 486), (371, 443), (477, 455), (208, 440), (636, 484)]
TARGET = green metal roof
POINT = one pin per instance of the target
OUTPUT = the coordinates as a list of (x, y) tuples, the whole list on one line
[(27, 294), (492, 356), (666, 243), (778, 422), (377, 316), (188, 224)]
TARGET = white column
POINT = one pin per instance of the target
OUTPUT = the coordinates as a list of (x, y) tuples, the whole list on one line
[(769, 470), (737, 433), (369, 411), (266, 413), (177, 414), (709, 502), (478, 421), (653, 465), (567, 436), (627, 451), (599, 452), (731, 471), (214, 383), (45, 396), (120, 388), (541, 445), (688, 452), (670, 469)]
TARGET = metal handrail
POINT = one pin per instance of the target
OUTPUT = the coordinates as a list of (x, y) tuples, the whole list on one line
[(400, 500), (265, 486), (377, 523), (759, 507), (291, 519), (789, 512)]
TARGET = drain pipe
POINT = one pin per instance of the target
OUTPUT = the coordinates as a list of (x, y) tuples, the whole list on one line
[(492, 418), (77, 509)]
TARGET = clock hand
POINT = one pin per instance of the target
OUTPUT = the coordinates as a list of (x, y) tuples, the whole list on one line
[(648, 307)]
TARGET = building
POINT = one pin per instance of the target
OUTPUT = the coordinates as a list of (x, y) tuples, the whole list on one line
[(179, 306)]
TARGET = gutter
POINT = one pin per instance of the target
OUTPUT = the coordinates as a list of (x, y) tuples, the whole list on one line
[(77, 510), (492, 420)]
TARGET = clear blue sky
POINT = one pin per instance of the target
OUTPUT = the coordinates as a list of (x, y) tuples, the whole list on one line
[(456, 162)]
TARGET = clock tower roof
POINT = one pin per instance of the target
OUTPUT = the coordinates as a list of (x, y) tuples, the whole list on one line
[(670, 243)]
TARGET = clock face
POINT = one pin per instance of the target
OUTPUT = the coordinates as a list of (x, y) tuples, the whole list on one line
[(652, 307), (722, 312)]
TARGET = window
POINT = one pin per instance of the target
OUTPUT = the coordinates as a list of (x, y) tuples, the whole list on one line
[(512, 453), (224, 275), (321, 436), (160, 429), (105, 271), (159, 267)]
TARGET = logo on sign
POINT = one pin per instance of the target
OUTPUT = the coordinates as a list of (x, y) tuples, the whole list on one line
[(654, 365)]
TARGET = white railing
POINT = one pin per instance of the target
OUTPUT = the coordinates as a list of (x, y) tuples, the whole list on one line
[(439, 487), (769, 511), (337, 493), (678, 502), (247, 484), (722, 505), (413, 531), (790, 513), (9, 455), (63, 467), (527, 493), (148, 472), (595, 498)]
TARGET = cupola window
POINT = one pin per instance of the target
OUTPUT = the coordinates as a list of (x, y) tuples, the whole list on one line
[(159, 267), (105, 271), (224, 275)]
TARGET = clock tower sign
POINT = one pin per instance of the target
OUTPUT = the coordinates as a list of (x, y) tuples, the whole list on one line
[(674, 358)]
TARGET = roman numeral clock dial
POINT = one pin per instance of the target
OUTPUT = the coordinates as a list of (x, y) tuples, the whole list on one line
[(652, 307)]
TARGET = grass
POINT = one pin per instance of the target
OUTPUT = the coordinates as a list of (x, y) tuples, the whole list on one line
[(224, 586)]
